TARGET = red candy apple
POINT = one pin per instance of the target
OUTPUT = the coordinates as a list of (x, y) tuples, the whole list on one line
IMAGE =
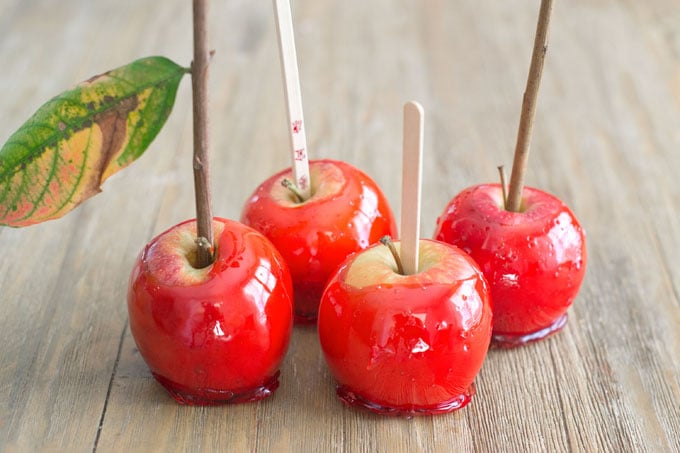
[(534, 260), (346, 213), (406, 344), (217, 334)]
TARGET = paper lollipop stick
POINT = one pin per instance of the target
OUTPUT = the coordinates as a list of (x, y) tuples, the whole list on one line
[(291, 83)]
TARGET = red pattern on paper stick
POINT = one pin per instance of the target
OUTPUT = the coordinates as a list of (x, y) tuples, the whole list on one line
[(300, 154), (297, 126), (302, 183)]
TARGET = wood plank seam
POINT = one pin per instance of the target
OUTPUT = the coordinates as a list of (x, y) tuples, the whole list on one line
[(110, 386)]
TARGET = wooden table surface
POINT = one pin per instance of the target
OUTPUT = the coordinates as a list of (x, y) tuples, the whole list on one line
[(606, 141)]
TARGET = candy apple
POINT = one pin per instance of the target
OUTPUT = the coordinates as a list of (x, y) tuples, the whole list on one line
[(217, 334), (346, 213), (406, 344), (534, 260)]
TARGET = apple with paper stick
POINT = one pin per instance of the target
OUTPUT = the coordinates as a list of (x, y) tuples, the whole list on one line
[(320, 211), (346, 213)]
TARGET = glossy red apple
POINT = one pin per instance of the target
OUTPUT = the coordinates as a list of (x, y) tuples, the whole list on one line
[(346, 213), (534, 260), (218, 334), (406, 344)]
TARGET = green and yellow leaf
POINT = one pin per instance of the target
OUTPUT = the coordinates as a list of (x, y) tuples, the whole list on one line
[(62, 155)]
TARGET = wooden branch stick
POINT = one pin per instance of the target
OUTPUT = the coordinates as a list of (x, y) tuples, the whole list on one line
[(293, 96), (411, 182), (199, 85), (526, 122)]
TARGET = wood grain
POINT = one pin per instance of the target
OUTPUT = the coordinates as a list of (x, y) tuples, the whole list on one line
[(605, 141)]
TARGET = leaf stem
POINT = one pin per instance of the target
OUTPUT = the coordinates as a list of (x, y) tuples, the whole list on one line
[(387, 242), (199, 84)]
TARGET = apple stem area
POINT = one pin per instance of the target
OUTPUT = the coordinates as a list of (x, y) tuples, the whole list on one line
[(288, 184), (387, 242), (504, 185)]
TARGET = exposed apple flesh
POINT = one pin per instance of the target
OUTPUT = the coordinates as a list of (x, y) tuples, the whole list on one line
[(327, 181), (406, 344), (376, 266), (346, 213), (172, 257), (218, 334), (534, 260)]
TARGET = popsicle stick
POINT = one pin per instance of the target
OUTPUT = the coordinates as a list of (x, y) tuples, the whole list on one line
[(526, 121), (291, 85), (411, 182)]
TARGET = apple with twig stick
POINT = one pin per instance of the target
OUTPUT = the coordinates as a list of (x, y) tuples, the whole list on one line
[(405, 326), (318, 212), (527, 242), (210, 300)]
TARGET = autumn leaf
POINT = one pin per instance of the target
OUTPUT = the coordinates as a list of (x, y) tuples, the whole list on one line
[(73, 143)]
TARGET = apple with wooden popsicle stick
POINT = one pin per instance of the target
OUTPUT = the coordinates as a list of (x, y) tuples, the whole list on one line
[(405, 326), (527, 242), (318, 212), (210, 300)]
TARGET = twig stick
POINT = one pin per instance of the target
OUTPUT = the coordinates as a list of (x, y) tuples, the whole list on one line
[(291, 85), (199, 84), (411, 177), (526, 122)]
